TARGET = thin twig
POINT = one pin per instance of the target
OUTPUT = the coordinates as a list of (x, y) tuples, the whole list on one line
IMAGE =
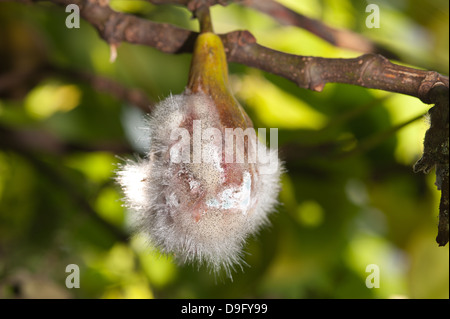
[(337, 37), (436, 155), (369, 70)]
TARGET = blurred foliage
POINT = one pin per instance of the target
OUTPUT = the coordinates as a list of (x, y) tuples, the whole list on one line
[(349, 196)]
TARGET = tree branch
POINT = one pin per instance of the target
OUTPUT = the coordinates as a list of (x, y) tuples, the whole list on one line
[(369, 70), (436, 154), (337, 37), (285, 16)]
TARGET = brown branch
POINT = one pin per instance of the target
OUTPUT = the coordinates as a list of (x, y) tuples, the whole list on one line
[(369, 70), (193, 5), (337, 37), (285, 16), (436, 154), (443, 227), (115, 27)]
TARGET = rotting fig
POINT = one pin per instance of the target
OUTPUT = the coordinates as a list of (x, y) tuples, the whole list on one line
[(189, 196)]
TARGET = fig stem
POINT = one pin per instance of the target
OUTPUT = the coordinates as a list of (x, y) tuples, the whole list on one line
[(204, 17)]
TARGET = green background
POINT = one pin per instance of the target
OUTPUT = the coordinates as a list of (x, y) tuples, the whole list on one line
[(349, 198)]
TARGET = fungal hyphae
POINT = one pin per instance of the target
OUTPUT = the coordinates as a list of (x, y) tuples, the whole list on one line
[(207, 182)]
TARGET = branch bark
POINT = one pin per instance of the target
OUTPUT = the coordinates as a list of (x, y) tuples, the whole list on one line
[(285, 16), (337, 37), (436, 155), (369, 70)]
